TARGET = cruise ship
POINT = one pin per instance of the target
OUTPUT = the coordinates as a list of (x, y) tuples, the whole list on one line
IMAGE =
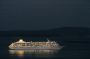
[(34, 45)]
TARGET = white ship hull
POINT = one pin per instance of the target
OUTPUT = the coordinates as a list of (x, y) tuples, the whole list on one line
[(29, 48), (49, 45), (35, 48)]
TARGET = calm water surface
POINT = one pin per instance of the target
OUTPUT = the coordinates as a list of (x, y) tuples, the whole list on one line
[(71, 50)]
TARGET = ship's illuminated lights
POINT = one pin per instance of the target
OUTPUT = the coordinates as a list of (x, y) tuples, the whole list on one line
[(21, 41)]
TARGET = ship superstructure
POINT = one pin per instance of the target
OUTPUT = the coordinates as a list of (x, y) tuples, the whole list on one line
[(34, 45)]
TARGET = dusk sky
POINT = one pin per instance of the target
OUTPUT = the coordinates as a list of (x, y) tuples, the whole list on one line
[(43, 14)]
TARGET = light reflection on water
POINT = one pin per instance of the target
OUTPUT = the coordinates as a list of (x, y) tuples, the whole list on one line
[(33, 53)]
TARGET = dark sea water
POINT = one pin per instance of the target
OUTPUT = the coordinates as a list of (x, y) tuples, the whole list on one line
[(71, 50)]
